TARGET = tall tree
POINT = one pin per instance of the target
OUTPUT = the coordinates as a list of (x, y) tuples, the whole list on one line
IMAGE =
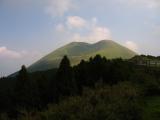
[(26, 94), (64, 77), (96, 68), (81, 76)]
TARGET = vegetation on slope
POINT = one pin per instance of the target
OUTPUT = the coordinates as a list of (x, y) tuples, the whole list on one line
[(103, 103), (152, 108), (98, 89), (77, 51)]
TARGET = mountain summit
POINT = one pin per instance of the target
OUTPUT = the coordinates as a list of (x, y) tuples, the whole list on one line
[(76, 51)]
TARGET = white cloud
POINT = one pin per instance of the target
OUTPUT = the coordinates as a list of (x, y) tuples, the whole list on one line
[(12, 60), (75, 22), (6, 53), (131, 45), (94, 32), (59, 7), (100, 33)]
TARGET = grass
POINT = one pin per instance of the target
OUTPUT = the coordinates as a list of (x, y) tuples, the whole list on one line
[(77, 51), (152, 108)]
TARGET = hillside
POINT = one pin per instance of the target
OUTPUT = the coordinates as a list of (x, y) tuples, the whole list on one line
[(146, 60), (77, 51), (96, 89)]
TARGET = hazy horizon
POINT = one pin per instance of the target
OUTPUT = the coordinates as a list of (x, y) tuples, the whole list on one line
[(31, 29)]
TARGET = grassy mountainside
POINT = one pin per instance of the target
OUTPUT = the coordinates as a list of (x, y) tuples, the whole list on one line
[(77, 51)]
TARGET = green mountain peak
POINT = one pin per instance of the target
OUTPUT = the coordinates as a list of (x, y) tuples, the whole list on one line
[(76, 51)]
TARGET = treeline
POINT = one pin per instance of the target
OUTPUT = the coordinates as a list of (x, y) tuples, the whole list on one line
[(151, 57), (32, 92)]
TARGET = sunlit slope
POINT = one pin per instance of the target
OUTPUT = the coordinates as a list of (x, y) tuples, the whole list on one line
[(77, 51)]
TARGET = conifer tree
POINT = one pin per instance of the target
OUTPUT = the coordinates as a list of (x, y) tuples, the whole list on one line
[(26, 94), (65, 81), (81, 76)]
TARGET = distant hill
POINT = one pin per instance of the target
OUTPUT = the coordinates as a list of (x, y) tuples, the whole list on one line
[(77, 51), (146, 60)]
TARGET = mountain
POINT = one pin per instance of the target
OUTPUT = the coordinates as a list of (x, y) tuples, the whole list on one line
[(77, 51)]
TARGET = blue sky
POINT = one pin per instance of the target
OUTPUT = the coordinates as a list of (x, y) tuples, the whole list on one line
[(29, 29)]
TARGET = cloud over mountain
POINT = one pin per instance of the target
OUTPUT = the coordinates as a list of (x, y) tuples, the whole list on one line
[(94, 32), (131, 45), (76, 22), (7, 53)]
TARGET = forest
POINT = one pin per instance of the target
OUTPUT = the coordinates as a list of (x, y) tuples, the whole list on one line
[(97, 89)]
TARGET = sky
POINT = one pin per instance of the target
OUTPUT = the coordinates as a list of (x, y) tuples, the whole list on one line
[(30, 29)]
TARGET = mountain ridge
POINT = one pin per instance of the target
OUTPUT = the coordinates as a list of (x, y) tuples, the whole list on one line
[(77, 51)]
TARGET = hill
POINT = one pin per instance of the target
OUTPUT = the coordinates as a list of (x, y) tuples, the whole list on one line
[(146, 60), (96, 89), (77, 51)]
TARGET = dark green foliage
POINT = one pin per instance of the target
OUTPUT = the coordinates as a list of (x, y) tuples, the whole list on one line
[(152, 108), (43, 91), (121, 83), (5, 101), (81, 76), (25, 92), (119, 102), (64, 78), (64, 85)]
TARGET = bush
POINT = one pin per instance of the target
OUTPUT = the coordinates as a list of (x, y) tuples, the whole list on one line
[(119, 102)]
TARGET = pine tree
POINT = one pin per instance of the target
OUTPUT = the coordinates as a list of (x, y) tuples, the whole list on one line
[(26, 93), (20, 91), (81, 76), (64, 77), (97, 68)]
